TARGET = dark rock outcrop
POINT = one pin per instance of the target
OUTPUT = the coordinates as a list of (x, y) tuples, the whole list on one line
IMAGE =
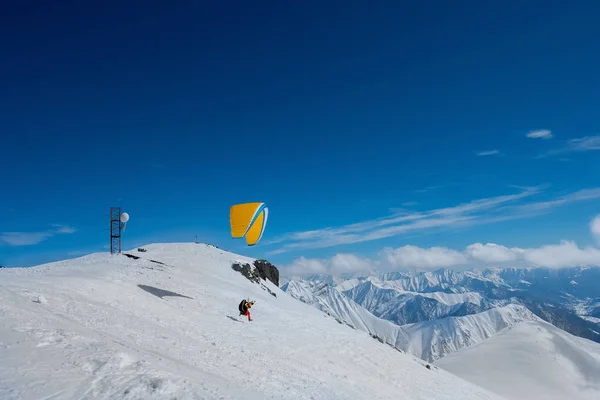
[(262, 270), (377, 338), (247, 271), (131, 256), (266, 270)]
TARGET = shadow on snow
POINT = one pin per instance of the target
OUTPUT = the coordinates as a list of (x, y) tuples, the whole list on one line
[(161, 292)]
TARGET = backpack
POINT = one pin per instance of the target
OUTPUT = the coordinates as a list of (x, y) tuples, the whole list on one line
[(242, 306)]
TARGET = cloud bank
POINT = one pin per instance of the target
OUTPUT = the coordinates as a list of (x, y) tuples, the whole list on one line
[(336, 265), (33, 238), (562, 255), (492, 253), (413, 256)]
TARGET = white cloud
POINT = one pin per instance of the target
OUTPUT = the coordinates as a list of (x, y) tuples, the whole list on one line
[(565, 254), (350, 263), (487, 153), (540, 134), (33, 238), (64, 229), (580, 195), (587, 143), (417, 257), (338, 264), (302, 265), (24, 238), (492, 253), (595, 227)]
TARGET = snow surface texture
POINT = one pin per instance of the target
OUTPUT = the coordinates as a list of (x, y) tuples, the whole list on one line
[(532, 360), (111, 327), (428, 340)]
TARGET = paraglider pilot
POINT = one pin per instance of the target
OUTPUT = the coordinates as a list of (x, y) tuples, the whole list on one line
[(244, 308)]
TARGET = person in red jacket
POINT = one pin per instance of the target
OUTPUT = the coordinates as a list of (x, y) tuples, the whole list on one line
[(244, 308)]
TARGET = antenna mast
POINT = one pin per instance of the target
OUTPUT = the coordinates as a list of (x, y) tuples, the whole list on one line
[(115, 230)]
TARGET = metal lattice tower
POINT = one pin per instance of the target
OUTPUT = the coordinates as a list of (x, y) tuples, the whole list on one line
[(115, 230)]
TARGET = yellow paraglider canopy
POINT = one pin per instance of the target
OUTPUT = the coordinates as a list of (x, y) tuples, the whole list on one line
[(248, 220)]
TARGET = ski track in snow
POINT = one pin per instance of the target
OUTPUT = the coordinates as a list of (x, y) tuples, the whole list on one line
[(96, 334)]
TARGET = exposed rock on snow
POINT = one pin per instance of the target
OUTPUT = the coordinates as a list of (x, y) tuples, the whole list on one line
[(266, 270), (261, 271)]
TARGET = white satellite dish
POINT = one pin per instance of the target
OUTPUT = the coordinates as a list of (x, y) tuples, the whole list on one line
[(124, 218)]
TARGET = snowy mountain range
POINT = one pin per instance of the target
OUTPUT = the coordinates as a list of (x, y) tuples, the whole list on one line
[(164, 324), (448, 310), (430, 339), (531, 360)]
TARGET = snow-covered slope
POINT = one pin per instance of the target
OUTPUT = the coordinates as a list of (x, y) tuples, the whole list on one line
[(428, 340), (531, 360), (388, 301), (106, 326), (432, 340), (332, 302)]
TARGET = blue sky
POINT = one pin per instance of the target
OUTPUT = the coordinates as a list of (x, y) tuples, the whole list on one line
[(337, 114)]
